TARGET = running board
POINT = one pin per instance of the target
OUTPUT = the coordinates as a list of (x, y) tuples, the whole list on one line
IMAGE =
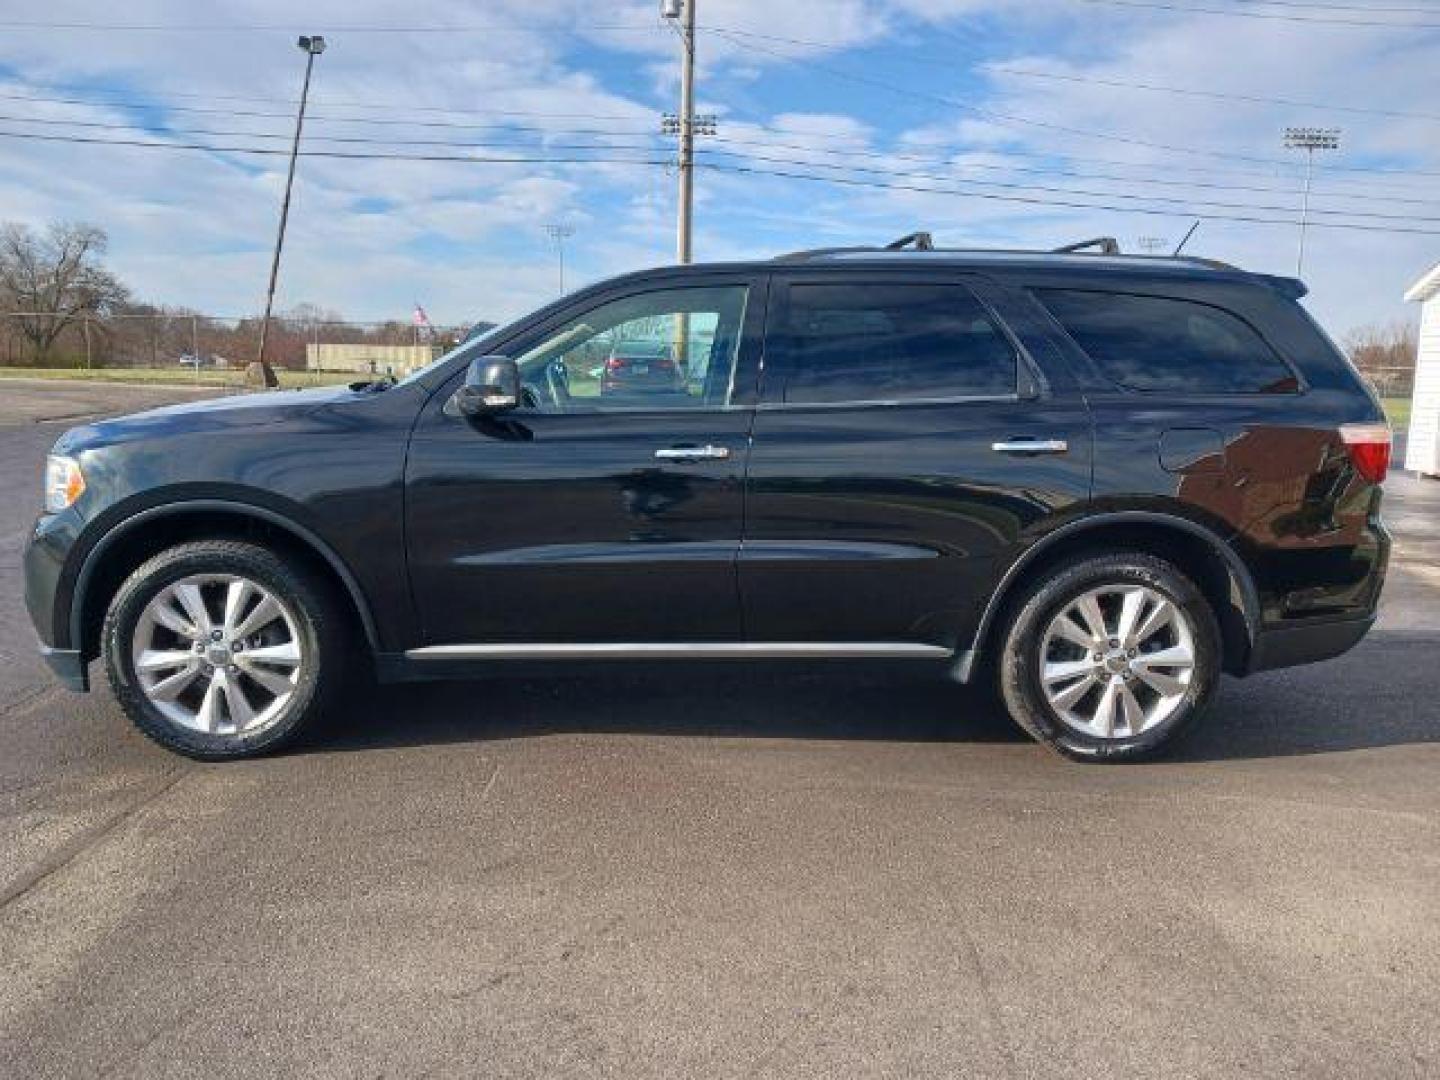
[(703, 650)]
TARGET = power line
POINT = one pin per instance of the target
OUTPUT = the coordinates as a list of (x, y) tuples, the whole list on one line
[(1011, 168), (381, 121), (739, 169), (1181, 203), (949, 64), (1316, 20), (1273, 164), (749, 151), (940, 162), (1009, 118), (1068, 205), (1323, 5), (167, 130), (1212, 94), (357, 155), (651, 27), (1002, 118), (336, 103), (243, 28)]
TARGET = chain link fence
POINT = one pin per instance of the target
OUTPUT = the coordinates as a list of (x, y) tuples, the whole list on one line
[(1389, 381), (185, 347)]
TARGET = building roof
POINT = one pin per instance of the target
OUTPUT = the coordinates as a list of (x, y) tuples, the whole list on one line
[(1426, 287)]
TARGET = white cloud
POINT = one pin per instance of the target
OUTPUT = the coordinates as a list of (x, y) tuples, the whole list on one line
[(195, 228)]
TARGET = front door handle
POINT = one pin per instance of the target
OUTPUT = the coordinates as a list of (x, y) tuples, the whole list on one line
[(693, 453), (1031, 446)]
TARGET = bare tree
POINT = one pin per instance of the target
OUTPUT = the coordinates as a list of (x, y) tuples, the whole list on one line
[(1385, 354), (53, 279)]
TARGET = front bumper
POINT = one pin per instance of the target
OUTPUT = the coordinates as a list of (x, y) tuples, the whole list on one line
[(69, 667), (47, 597)]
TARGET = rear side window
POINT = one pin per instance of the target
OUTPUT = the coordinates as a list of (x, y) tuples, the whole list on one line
[(885, 342), (1160, 343)]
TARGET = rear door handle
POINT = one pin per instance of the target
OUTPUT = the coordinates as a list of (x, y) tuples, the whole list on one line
[(1031, 446), (693, 453)]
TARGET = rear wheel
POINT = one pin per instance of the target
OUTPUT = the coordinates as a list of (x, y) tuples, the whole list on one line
[(220, 649), (1110, 657)]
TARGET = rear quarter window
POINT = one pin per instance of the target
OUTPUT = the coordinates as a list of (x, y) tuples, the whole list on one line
[(1158, 343)]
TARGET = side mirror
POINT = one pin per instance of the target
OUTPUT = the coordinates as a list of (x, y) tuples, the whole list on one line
[(491, 386)]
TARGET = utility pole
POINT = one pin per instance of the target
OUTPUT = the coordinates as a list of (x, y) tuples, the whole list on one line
[(312, 46), (559, 234), (687, 133), (687, 125), (1308, 139)]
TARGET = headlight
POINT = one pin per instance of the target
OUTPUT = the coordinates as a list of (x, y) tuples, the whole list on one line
[(64, 483)]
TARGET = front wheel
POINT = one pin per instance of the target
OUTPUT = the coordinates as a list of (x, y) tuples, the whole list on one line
[(220, 649), (1110, 657)]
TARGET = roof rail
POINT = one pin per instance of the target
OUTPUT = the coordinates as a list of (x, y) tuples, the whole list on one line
[(815, 253), (920, 241), (915, 241), (1108, 245), (923, 241)]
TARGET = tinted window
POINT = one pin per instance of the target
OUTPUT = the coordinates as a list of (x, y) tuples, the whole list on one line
[(887, 342), (1158, 343), (668, 349)]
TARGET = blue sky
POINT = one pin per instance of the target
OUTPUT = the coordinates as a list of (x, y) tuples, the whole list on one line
[(995, 110)]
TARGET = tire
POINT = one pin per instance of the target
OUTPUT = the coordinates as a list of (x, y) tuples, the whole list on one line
[(1057, 691), (177, 671)]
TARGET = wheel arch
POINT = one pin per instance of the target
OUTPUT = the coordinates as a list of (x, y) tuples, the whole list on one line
[(1195, 549), (147, 532)]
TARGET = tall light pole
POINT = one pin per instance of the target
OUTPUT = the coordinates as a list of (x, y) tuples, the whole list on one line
[(559, 234), (1309, 139), (312, 46)]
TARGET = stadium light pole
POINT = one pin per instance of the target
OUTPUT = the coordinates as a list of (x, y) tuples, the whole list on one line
[(312, 46), (1308, 139)]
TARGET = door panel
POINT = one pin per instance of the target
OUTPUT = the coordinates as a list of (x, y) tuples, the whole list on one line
[(891, 521), (575, 524)]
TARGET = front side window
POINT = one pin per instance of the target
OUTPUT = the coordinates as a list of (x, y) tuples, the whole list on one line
[(1158, 343), (669, 349), (885, 342)]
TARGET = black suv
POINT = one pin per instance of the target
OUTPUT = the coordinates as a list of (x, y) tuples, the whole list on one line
[(1092, 481)]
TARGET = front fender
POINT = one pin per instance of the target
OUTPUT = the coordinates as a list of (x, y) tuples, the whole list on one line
[(91, 559)]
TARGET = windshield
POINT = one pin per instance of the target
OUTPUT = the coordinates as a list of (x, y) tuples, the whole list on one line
[(474, 347)]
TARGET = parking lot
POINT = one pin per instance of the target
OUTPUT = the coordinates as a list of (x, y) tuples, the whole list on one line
[(723, 871)]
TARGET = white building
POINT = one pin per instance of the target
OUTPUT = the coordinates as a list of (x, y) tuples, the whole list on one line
[(1422, 453)]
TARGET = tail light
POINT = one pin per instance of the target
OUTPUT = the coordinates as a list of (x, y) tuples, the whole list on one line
[(614, 364), (1369, 448)]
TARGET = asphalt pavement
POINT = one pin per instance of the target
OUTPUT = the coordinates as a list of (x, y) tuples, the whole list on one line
[(725, 871)]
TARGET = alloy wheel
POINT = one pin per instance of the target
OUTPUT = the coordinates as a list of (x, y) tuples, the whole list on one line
[(219, 654), (1117, 661)]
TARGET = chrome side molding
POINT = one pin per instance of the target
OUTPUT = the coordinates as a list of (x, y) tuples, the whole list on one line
[(699, 650)]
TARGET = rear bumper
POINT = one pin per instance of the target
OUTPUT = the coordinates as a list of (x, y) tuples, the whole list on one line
[(69, 667), (1291, 645)]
